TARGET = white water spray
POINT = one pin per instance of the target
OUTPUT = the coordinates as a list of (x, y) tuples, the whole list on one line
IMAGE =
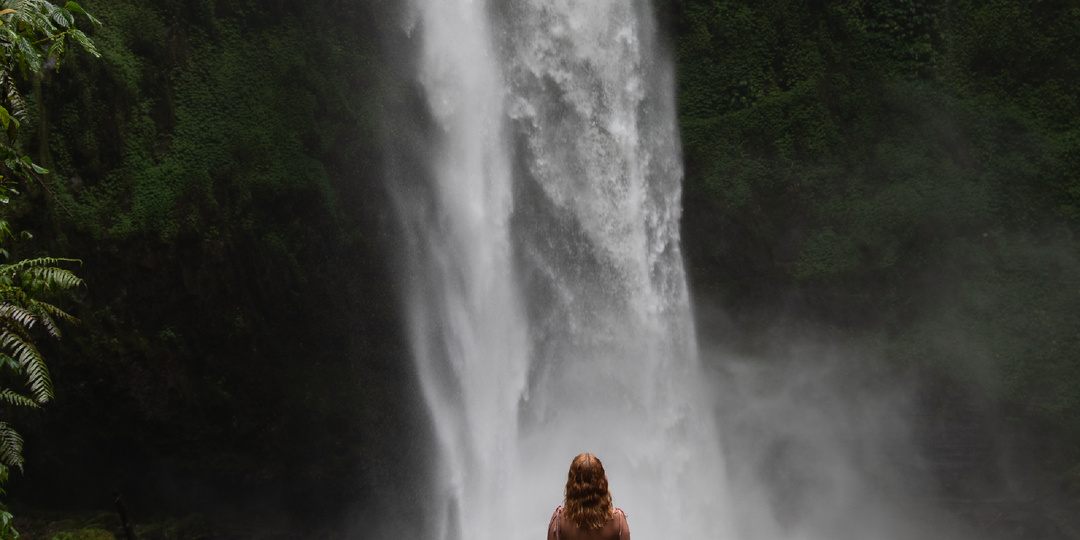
[(549, 312)]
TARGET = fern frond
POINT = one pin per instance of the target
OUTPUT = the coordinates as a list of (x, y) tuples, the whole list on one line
[(17, 267), (32, 364), (72, 6), (11, 445), (62, 17), (48, 313), (15, 98), (55, 312), (41, 15), (9, 362), (21, 316), (56, 49), (29, 60), (16, 398), (46, 320), (8, 325), (11, 91), (83, 40), (50, 278), (7, 523)]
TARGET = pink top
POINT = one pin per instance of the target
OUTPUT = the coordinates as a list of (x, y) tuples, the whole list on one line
[(561, 528)]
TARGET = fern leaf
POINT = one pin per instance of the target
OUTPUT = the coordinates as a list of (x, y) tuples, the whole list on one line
[(51, 277), (48, 313), (11, 445), (16, 267), (21, 316), (8, 35), (72, 6), (62, 17), (8, 326), (9, 362), (16, 398), (55, 312), (46, 320), (14, 98), (29, 56), (87, 45), (56, 50), (32, 364)]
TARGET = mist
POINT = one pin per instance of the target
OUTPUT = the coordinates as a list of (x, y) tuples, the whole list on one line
[(825, 437)]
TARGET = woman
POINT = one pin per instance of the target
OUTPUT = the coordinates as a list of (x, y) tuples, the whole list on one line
[(587, 513)]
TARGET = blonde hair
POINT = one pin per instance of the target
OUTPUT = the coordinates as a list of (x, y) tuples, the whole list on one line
[(587, 499)]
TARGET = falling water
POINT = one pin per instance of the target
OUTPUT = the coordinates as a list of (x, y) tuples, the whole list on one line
[(548, 307)]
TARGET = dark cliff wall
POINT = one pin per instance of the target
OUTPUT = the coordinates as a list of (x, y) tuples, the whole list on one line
[(218, 172), (901, 173)]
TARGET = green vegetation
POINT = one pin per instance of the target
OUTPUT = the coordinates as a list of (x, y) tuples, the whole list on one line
[(22, 286), (33, 34), (84, 534), (218, 172), (901, 168)]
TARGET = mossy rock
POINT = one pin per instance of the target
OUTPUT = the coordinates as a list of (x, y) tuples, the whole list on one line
[(109, 521), (84, 534), (191, 527)]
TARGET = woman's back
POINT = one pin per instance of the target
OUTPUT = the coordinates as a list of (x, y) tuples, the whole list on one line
[(561, 528)]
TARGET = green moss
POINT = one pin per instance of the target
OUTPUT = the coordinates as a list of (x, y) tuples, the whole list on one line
[(84, 534), (899, 167), (218, 173)]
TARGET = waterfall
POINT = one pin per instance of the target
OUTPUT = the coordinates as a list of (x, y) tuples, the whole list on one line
[(548, 307)]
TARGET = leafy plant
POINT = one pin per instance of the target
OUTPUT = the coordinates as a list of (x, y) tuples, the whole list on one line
[(908, 170), (21, 310), (34, 35)]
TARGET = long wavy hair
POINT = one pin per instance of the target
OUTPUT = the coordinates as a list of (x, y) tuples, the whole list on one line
[(587, 499)]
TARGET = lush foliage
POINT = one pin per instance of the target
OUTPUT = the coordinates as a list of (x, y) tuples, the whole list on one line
[(903, 169), (23, 287), (899, 168), (218, 171), (33, 37)]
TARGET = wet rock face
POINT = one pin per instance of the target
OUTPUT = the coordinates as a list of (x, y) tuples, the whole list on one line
[(981, 473), (958, 444)]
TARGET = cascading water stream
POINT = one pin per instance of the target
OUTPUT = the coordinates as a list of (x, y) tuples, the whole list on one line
[(549, 312)]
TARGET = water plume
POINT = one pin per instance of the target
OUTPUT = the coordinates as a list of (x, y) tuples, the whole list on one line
[(548, 306)]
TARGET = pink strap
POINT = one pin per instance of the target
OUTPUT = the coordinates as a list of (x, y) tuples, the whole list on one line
[(558, 521)]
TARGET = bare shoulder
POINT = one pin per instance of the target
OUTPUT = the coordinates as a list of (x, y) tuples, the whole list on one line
[(624, 527), (620, 515), (553, 525), (555, 516)]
